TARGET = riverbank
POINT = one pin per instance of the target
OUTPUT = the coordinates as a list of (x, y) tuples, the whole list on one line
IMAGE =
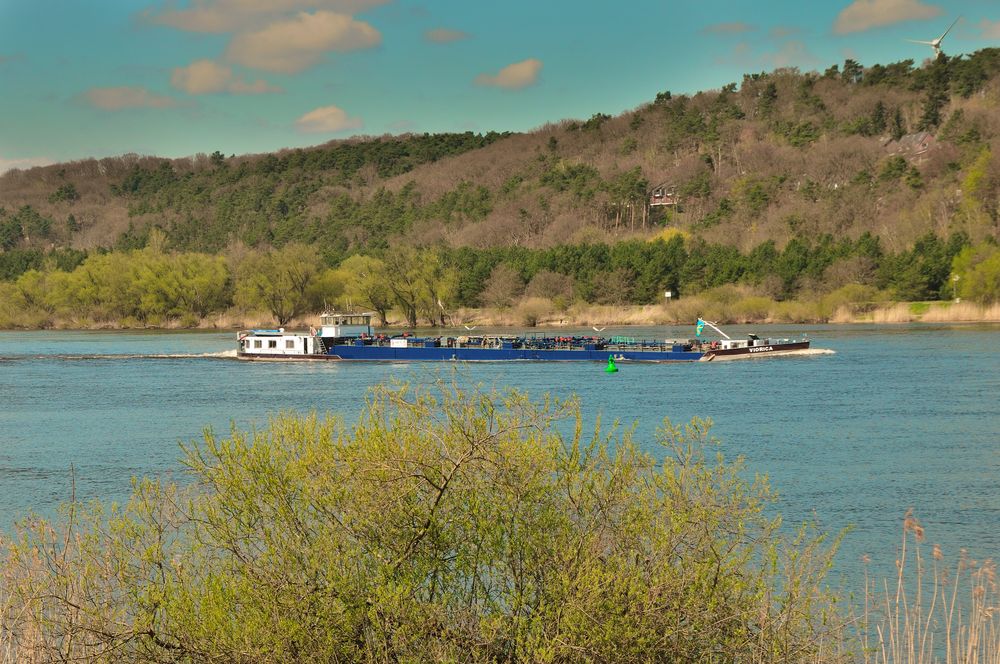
[(682, 313), (751, 311)]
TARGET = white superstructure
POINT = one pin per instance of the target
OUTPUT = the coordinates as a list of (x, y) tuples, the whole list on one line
[(278, 343), (345, 325)]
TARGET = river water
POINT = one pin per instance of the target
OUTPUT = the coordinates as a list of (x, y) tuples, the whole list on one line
[(894, 417)]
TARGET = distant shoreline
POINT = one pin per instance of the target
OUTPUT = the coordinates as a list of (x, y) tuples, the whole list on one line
[(588, 316)]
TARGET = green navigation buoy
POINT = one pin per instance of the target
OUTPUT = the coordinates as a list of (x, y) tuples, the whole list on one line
[(611, 368)]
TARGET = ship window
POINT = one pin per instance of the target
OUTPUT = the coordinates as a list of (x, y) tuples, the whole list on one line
[(256, 343), (272, 343), (289, 343)]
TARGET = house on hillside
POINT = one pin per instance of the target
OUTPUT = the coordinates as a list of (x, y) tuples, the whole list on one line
[(915, 148), (663, 195)]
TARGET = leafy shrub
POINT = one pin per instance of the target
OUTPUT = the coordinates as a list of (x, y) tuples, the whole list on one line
[(446, 525)]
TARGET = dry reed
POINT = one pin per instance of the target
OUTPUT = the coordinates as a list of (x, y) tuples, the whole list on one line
[(961, 312), (946, 614), (736, 308)]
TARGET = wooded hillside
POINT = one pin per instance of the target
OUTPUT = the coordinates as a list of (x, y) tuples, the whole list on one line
[(843, 188), (895, 150)]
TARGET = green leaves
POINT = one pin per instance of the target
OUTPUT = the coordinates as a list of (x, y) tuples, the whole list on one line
[(447, 524), (975, 273), (144, 285), (277, 281)]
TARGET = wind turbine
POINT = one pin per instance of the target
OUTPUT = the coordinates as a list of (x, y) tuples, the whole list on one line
[(936, 43)]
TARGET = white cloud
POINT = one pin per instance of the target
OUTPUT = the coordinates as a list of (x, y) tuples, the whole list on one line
[(513, 77), (990, 29), (291, 45), (235, 15), (23, 163), (327, 119), (117, 99), (792, 53), (863, 15), (207, 77), (258, 87), (445, 36), (201, 77)]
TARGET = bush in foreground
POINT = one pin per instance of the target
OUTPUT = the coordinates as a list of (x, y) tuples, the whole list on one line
[(446, 525)]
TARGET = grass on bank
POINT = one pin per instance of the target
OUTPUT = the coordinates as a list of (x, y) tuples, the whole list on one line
[(726, 305), (735, 305)]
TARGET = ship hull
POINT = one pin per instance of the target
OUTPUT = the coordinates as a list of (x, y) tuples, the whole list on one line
[(388, 354), (754, 351)]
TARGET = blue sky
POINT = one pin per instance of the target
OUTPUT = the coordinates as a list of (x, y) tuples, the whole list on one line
[(174, 78)]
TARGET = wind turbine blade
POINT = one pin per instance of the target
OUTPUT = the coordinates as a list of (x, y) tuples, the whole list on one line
[(949, 28), (918, 41)]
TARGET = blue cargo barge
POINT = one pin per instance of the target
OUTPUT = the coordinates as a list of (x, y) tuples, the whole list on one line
[(350, 337)]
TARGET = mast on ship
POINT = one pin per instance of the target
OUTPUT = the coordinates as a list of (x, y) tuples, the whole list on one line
[(711, 325)]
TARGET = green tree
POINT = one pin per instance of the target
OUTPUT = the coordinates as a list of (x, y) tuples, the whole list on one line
[(10, 232), (365, 282), (898, 125), (327, 291), (879, 119), (975, 273), (28, 223), (937, 96), (203, 283), (14, 262), (853, 72), (66, 192), (402, 275), (628, 191), (768, 99), (277, 281), (440, 283)]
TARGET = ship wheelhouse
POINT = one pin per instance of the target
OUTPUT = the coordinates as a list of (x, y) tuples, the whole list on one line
[(338, 325)]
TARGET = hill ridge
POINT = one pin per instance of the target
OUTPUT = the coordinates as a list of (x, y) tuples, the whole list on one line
[(784, 154)]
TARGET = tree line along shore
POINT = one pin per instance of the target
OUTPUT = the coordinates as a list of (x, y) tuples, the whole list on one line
[(939, 279), (789, 196)]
